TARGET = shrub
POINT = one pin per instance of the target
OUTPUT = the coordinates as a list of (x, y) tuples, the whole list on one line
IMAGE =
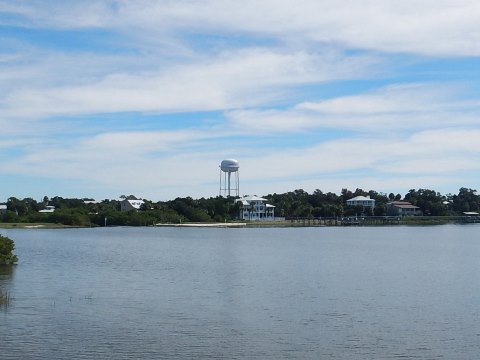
[(6, 251)]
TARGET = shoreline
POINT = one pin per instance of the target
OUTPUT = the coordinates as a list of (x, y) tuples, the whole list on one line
[(201, 225), (364, 222)]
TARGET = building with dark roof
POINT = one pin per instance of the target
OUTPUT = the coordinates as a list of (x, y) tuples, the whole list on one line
[(402, 208)]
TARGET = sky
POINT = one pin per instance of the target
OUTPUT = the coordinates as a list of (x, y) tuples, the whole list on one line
[(103, 98)]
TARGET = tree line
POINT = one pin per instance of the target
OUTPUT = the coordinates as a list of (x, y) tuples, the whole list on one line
[(294, 204), (299, 203)]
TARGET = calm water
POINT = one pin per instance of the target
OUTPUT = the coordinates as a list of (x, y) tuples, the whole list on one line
[(318, 293)]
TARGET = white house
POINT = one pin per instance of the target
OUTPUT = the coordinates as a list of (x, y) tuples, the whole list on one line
[(364, 201), (127, 205), (48, 209), (256, 208), (3, 208)]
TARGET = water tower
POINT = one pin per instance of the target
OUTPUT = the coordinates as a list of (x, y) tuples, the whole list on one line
[(227, 186)]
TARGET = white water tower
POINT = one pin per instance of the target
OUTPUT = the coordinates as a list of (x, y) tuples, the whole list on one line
[(227, 186)]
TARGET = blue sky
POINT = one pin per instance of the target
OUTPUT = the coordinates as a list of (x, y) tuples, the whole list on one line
[(104, 98)]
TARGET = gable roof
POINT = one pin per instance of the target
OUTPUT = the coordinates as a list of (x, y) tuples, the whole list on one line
[(247, 200), (252, 198), (134, 203), (402, 205), (361, 198)]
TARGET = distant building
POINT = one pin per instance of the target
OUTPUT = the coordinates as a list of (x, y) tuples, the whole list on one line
[(402, 208), (3, 208), (48, 209), (127, 205), (364, 201), (256, 209)]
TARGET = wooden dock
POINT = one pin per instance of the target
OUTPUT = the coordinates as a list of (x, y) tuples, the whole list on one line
[(346, 221)]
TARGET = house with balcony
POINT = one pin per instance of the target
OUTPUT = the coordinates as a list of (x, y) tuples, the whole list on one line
[(255, 208), (363, 201)]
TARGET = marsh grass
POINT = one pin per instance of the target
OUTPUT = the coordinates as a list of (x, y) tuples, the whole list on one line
[(5, 299), (4, 225)]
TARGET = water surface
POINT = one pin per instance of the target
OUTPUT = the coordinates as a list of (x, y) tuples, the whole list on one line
[(319, 293)]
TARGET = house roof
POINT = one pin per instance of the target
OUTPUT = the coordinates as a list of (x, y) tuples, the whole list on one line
[(361, 198), (402, 205), (406, 206), (246, 201), (252, 198), (135, 203)]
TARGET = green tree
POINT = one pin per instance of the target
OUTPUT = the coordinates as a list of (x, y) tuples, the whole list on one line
[(6, 251), (429, 201), (466, 200)]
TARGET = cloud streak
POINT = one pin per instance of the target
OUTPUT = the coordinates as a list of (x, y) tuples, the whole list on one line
[(440, 27), (404, 107), (247, 77)]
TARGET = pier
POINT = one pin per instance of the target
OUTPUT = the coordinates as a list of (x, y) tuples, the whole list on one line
[(381, 220), (346, 221)]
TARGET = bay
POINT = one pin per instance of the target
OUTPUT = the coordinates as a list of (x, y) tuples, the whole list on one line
[(176, 293)]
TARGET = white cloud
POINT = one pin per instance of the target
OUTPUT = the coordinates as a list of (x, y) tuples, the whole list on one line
[(406, 107), (402, 98), (432, 27), (162, 165), (438, 153), (235, 79), (444, 145)]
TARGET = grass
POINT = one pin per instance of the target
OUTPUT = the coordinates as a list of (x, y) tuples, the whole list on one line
[(32, 225), (4, 299)]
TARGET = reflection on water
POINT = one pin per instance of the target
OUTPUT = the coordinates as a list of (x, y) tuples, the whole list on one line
[(309, 293), (6, 274)]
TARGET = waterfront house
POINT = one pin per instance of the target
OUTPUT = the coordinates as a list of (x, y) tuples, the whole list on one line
[(48, 209), (363, 201), (127, 205), (256, 209), (402, 208), (3, 208)]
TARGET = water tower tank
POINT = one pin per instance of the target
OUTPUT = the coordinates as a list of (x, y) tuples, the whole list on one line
[(229, 165), (227, 186)]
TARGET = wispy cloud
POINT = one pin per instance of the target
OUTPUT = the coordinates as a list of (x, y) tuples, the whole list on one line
[(445, 27), (405, 107), (246, 77)]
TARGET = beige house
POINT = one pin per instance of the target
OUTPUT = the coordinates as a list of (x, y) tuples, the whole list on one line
[(402, 208)]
